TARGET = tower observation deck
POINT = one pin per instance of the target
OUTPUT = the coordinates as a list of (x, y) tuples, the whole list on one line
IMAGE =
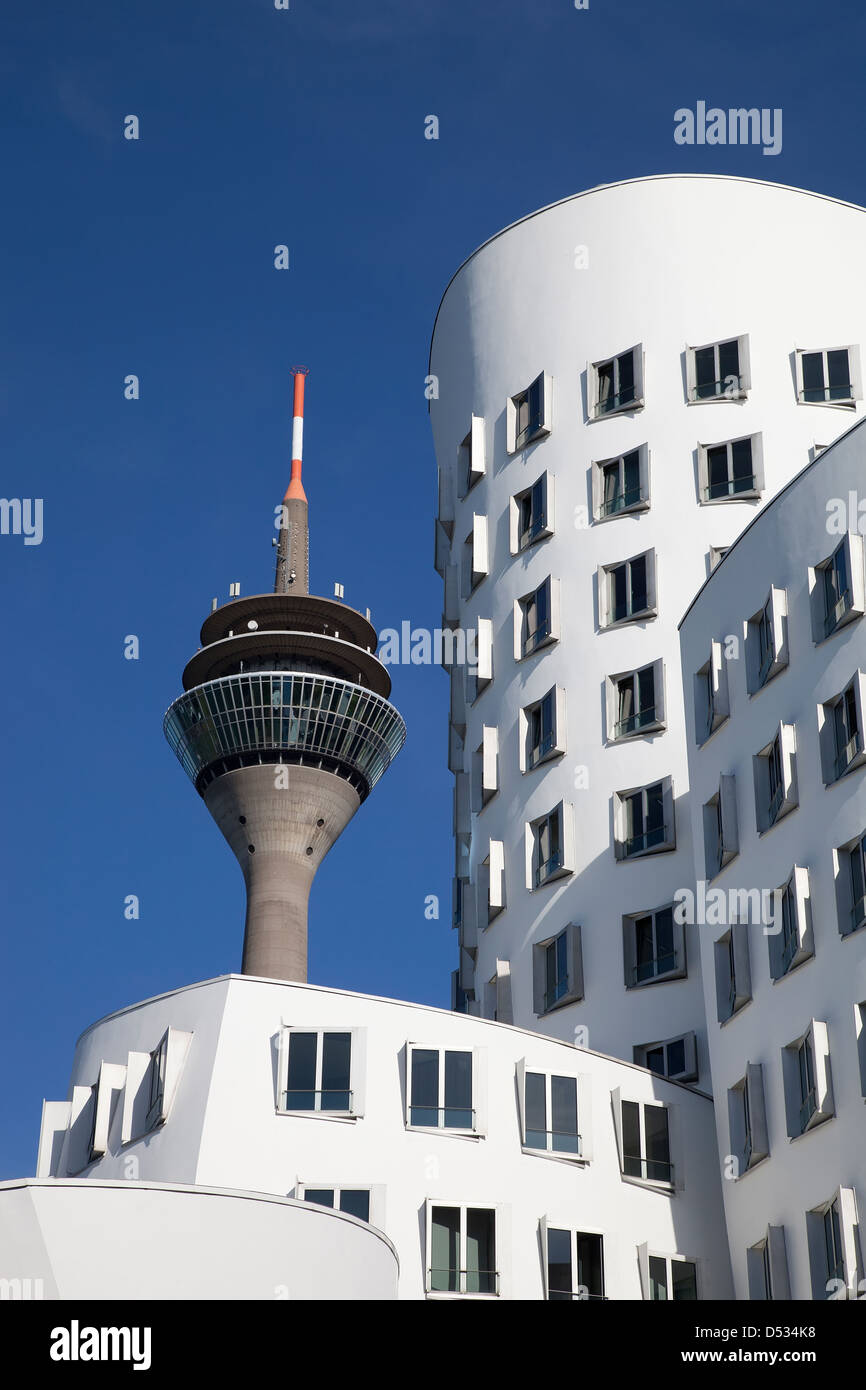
[(284, 728)]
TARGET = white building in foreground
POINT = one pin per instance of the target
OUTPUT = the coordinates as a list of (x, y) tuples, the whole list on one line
[(469, 1159), (774, 664)]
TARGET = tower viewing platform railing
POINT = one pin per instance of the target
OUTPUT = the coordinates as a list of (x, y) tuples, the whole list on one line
[(281, 716)]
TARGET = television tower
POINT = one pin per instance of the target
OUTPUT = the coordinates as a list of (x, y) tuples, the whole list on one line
[(284, 728)]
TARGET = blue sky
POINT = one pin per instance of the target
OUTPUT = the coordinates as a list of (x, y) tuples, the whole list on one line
[(155, 257)]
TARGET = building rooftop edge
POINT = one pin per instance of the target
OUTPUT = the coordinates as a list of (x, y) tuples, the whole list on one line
[(621, 183), (245, 1194), (382, 999)]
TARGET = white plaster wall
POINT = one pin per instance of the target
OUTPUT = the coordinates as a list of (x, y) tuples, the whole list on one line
[(242, 1142), (673, 261), (789, 536)]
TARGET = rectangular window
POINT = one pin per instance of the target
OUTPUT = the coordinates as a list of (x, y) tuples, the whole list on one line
[(544, 731), (470, 457), (721, 830), (672, 1279), (318, 1072), (655, 953), (355, 1201), (856, 857), (645, 820), (838, 592), (532, 514), (627, 590), (557, 968), (731, 470), (733, 971), (712, 704), (156, 1084), (675, 1058), (775, 780), (719, 371), (806, 1079), (843, 736), (617, 383), (528, 414), (462, 1250), (620, 485), (550, 1114), (575, 1265), (827, 377), (538, 619), (440, 1089), (767, 1265), (791, 942), (635, 702), (550, 858), (767, 641), (835, 1257), (646, 1151)]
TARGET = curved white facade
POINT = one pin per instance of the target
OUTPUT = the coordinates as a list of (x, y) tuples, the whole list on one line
[(655, 269), (92, 1239), (225, 1124), (798, 997)]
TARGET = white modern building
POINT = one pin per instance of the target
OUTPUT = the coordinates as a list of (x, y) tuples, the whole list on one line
[(460, 1158), (620, 382), (774, 666), (621, 1104)]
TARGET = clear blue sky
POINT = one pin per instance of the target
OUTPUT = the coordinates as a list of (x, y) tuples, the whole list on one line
[(155, 257)]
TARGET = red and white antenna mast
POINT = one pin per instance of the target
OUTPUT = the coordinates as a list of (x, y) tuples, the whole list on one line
[(293, 545)]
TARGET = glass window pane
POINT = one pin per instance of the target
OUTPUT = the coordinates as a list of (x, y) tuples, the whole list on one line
[(684, 1281), (336, 1065), (813, 376), (625, 365), (458, 1090), (355, 1202), (536, 1111), (638, 584), (838, 375), (729, 363), (676, 1057), (717, 471), (657, 1144), (590, 1269), (480, 1251), (631, 477), (705, 372), (445, 1249), (741, 453), (658, 1277), (665, 939), (563, 1106), (424, 1095), (301, 1080), (322, 1196), (559, 1265), (631, 1149), (646, 688), (655, 1060)]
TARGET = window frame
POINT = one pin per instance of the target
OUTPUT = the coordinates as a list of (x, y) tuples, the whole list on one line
[(711, 697), (583, 1112), (471, 465), (689, 1070), (807, 1059), (721, 827), (850, 603), (431, 1204), (839, 763), (744, 375), (775, 777), (523, 539), (477, 1082), (668, 1184), (640, 502), (538, 427), (554, 739), (733, 971), (357, 1039), (575, 1235), (788, 949), (658, 722), (635, 402), (747, 494), (606, 608), (668, 842), (560, 860), (644, 1257), (767, 655), (848, 402), (526, 644), (573, 984), (631, 965)]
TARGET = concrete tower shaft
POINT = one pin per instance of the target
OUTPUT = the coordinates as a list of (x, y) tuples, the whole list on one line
[(284, 727)]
